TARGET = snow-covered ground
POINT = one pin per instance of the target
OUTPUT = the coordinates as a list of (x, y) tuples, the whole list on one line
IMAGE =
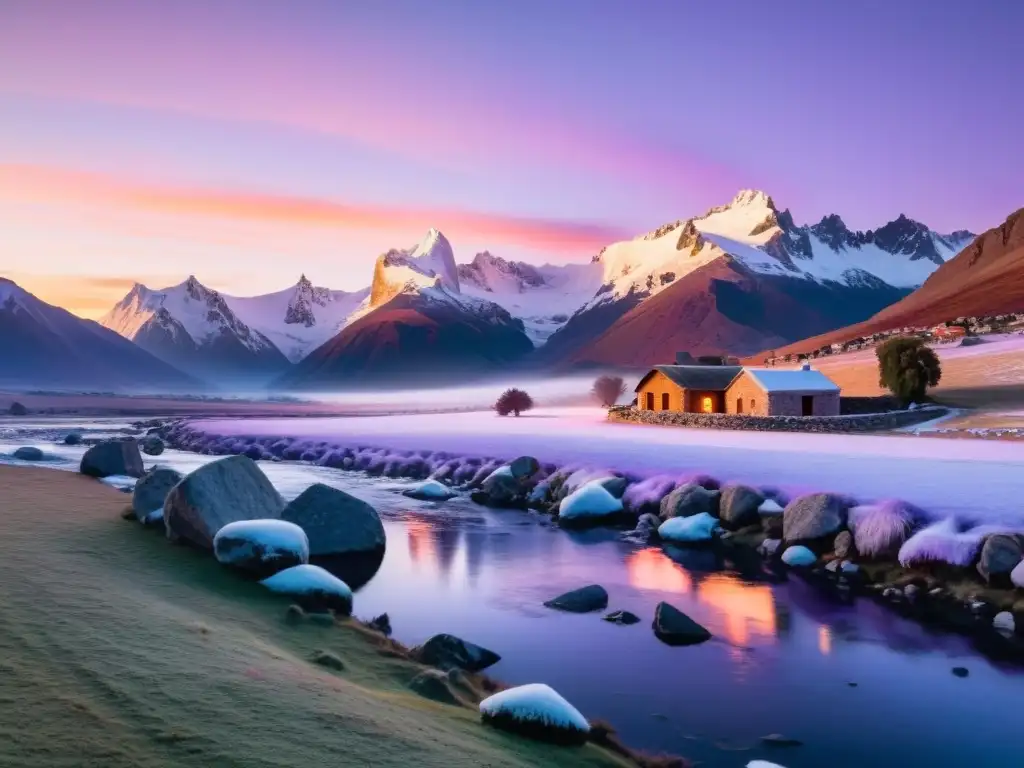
[(975, 479)]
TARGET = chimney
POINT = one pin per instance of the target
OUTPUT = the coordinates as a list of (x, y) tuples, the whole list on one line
[(805, 367)]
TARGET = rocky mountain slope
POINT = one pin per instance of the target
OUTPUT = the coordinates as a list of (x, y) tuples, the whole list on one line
[(734, 267), (46, 347), (194, 329), (986, 278)]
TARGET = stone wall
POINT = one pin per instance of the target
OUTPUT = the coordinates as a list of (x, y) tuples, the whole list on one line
[(875, 422)]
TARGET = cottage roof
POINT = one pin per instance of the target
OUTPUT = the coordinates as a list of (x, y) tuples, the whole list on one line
[(700, 377), (792, 380)]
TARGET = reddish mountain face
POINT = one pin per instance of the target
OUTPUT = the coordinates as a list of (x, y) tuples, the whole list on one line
[(986, 278), (725, 308)]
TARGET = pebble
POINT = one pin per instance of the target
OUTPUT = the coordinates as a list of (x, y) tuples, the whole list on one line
[(961, 671)]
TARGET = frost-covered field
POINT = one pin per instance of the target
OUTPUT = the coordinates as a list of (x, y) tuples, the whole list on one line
[(974, 479)]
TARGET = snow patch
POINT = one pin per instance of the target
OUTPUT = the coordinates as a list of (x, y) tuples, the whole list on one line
[(535, 703), (699, 527), (589, 500), (267, 539), (307, 580)]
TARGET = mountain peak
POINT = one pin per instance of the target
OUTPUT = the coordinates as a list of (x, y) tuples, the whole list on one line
[(752, 198), (428, 264)]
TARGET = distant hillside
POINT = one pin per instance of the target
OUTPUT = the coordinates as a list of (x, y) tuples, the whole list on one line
[(985, 278)]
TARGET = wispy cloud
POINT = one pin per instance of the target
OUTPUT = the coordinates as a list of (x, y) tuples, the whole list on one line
[(48, 184)]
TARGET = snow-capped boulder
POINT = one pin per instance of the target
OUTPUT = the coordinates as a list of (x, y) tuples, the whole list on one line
[(1017, 575), (588, 504), (28, 453), (879, 530), (799, 556), (944, 542), (536, 711), (430, 490), (221, 492), (336, 522), (689, 499), (451, 652), (593, 597), (263, 547), (152, 445), (151, 491), (738, 506), (500, 489), (1000, 554), (313, 588), (813, 517), (113, 457), (673, 627), (687, 530)]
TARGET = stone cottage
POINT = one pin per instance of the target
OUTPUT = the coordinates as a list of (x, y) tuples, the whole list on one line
[(738, 390)]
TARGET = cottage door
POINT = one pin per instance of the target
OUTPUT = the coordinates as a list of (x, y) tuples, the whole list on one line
[(807, 403)]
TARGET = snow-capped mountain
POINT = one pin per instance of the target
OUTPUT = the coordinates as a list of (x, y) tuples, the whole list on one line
[(757, 249), (418, 326), (298, 319), (542, 297), (45, 346), (427, 265), (193, 328)]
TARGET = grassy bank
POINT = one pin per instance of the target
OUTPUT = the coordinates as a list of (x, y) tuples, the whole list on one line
[(119, 649)]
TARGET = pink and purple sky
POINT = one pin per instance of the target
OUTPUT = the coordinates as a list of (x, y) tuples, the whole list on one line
[(248, 141)]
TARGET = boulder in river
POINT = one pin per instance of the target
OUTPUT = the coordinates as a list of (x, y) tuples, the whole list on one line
[(738, 506), (694, 529), (673, 627), (113, 457), (538, 712), (624, 618), (313, 588), (500, 489), (813, 516), (221, 492), (151, 491), (261, 547), (1000, 554), (583, 600), (451, 652), (73, 438), (430, 490), (152, 445), (524, 467), (689, 499), (28, 453), (336, 522)]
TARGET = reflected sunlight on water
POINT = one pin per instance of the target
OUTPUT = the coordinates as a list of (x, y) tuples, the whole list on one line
[(748, 609), (651, 569)]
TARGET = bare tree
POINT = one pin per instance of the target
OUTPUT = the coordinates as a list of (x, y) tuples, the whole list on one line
[(608, 390)]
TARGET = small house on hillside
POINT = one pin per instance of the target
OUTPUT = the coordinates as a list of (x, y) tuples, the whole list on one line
[(738, 390)]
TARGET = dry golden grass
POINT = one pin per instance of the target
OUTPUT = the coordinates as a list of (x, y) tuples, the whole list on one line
[(120, 649)]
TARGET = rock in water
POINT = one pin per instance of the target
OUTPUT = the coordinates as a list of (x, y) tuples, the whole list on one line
[(221, 492), (582, 600), (524, 467), (689, 499), (313, 588), (616, 486), (589, 503), (152, 445), (738, 507), (17, 409), (151, 491), (336, 522), (113, 457), (28, 453), (625, 618), (689, 530), (72, 438), (430, 490), (673, 627), (500, 489), (844, 545), (262, 547), (1000, 554), (813, 517), (451, 652), (799, 557), (537, 712)]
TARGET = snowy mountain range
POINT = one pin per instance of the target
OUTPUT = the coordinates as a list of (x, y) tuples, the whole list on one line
[(45, 346), (735, 279)]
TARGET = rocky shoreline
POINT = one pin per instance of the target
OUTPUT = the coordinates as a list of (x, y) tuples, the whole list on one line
[(946, 573)]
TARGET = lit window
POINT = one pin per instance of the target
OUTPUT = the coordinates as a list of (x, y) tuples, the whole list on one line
[(708, 405)]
